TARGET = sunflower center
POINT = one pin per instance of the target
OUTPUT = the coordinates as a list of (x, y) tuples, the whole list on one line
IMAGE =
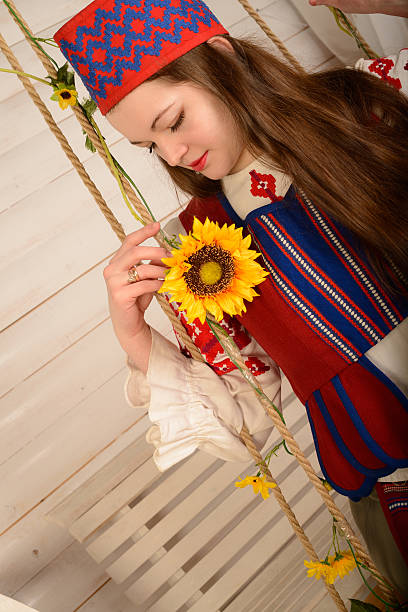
[(212, 270), (65, 95)]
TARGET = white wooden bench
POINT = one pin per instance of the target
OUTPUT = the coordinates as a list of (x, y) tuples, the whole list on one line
[(188, 539)]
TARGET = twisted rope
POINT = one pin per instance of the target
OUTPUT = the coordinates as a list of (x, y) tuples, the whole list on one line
[(86, 179), (145, 215), (307, 545), (277, 41), (362, 43)]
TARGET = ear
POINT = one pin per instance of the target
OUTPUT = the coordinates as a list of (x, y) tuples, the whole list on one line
[(221, 43)]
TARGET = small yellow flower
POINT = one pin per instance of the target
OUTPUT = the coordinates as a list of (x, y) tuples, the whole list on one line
[(65, 97), (339, 564), (259, 485), (317, 568), (213, 271)]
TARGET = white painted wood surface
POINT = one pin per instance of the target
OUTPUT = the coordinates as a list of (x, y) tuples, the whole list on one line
[(63, 416)]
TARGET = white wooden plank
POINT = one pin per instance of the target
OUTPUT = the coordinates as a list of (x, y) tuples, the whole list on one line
[(108, 598), (150, 505), (169, 525), (278, 582), (216, 522), (33, 542), (49, 394), (40, 331), (52, 590), (251, 561), (37, 15), (11, 605), (316, 52), (219, 554), (63, 448), (115, 499), (96, 488)]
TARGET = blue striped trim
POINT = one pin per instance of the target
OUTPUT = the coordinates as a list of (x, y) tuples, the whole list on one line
[(350, 261), (354, 495), (326, 286), (374, 472), (311, 315), (374, 447)]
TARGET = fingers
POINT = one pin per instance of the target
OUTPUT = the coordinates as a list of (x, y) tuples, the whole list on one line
[(144, 272), (131, 253), (134, 255)]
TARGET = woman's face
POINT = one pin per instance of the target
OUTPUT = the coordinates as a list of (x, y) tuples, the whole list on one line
[(185, 124)]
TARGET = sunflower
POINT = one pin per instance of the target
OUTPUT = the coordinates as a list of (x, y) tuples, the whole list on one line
[(259, 485), (65, 96), (213, 271)]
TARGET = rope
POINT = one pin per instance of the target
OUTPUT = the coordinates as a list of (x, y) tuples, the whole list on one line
[(277, 41), (117, 228), (86, 179), (362, 43), (307, 545)]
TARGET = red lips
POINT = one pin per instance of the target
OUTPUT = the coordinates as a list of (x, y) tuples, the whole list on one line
[(199, 164)]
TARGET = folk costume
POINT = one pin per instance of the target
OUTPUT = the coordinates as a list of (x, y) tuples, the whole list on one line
[(322, 315)]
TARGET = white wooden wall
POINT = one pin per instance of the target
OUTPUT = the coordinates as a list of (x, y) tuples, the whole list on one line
[(63, 414)]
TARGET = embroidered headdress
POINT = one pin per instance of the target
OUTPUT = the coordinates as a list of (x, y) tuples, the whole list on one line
[(115, 45)]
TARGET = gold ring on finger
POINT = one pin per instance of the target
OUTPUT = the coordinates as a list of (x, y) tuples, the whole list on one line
[(133, 276)]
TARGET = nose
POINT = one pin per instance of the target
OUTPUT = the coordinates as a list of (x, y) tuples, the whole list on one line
[(172, 152)]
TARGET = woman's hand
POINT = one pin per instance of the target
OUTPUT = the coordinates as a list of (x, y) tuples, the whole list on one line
[(398, 8), (128, 301)]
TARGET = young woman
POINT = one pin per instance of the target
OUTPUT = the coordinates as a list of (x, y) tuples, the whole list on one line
[(315, 168)]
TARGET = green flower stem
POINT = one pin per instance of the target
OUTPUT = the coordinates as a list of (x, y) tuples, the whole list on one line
[(114, 169), (349, 29), (26, 74), (387, 603), (117, 168), (139, 193), (48, 41), (29, 35)]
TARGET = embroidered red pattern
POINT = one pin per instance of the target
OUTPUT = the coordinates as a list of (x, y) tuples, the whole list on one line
[(382, 67), (211, 349), (264, 186)]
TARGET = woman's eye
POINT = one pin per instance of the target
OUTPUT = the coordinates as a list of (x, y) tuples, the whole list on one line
[(179, 121)]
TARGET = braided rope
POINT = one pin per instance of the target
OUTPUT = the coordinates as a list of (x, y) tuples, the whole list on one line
[(307, 545), (277, 41), (86, 179), (363, 44), (172, 316)]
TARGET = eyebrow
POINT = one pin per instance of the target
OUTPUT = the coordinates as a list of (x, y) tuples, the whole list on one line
[(152, 127)]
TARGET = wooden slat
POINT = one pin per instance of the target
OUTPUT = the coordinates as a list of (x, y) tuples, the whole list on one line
[(37, 14), (115, 499), (106, 479), (63, 448), (149, 506), (38, 402), (168, 526), (32, 543), (214, 560), (214, 523), (176, 519)]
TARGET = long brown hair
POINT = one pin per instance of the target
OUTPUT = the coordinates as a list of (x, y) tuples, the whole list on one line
[(321, 129)]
